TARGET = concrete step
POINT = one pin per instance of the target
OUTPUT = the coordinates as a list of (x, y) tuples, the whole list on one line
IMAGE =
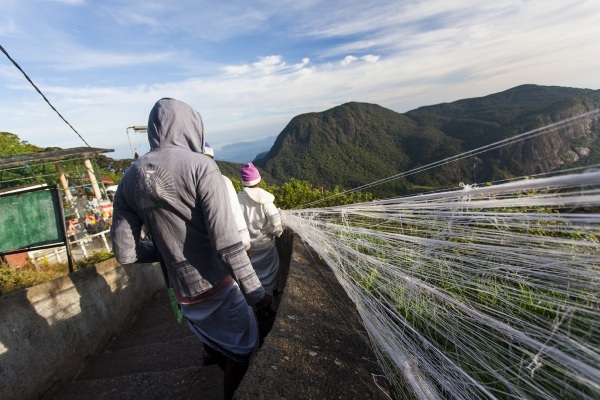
[(154, 358), (185, 383)]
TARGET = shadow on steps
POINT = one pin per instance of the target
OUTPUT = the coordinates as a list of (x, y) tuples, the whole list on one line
[(155, 358)]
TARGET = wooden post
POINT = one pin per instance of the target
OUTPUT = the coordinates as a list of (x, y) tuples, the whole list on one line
[(93, 180), (64, 183)]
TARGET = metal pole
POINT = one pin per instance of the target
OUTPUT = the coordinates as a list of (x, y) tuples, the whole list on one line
[(136, 128), (64, 229), (129, 139)]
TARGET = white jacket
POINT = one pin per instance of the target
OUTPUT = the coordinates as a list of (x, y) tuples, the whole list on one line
[(240, 221), (262, 217)]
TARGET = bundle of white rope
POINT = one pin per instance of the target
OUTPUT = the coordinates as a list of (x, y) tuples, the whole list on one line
[(489, 292)]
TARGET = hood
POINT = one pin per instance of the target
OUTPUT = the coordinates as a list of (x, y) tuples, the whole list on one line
[(259, 195), (173, 123)]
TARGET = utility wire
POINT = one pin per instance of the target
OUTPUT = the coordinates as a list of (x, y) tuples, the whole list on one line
[(42, 94)]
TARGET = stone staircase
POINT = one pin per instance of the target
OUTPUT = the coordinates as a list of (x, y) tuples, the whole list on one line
[(155, 358), (318, 349)]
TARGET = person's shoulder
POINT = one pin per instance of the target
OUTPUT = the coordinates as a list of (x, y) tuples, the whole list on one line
[(265, 193), (229, 185), (190, 159), (264, 197)]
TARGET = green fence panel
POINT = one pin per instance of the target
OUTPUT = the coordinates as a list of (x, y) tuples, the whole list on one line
[(30, 219)]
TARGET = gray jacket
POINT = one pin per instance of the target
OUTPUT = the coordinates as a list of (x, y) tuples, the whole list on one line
[(178, 194)]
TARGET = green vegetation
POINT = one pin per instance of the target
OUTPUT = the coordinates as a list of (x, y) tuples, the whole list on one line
[(114, 169), (14, 279), (297, 194), (11, 145)]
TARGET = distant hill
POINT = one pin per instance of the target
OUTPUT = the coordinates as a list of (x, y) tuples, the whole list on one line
[(358, 143), (244, 152)]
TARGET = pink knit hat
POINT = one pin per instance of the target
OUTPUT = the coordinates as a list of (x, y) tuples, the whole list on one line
[(250, 175)]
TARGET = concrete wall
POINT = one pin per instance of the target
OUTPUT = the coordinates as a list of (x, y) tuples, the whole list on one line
[(48, 331)]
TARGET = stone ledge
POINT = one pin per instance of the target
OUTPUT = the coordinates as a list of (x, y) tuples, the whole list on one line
[(318, 347)]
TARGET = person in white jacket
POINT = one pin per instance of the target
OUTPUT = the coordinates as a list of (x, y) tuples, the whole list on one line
[(235, 204), (264, 225)]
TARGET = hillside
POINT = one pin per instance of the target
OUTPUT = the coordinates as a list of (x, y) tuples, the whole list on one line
[(358, 143)]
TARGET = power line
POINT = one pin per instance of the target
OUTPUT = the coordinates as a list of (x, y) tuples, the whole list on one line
[(42, 94)]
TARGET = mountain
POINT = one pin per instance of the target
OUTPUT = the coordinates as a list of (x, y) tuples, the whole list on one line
[(355, 144), (358, 143), (244, 152)]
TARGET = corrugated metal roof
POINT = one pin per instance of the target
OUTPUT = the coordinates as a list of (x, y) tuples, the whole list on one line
[(50, 156)]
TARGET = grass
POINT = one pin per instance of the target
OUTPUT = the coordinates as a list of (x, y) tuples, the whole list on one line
[(13, 279)]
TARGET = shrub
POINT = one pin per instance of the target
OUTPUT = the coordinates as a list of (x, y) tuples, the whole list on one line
[(13, 279)]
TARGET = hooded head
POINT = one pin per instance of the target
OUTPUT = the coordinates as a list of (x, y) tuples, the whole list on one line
[(250, 175), (173, 123)]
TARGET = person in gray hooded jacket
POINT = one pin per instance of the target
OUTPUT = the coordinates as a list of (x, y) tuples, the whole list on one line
[(179, 196)]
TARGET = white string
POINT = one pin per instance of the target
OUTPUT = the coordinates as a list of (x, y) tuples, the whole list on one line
[(483, 292)]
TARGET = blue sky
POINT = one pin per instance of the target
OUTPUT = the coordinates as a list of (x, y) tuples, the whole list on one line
[(249, 67)]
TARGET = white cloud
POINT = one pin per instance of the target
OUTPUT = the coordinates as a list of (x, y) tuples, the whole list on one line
[(269, 64), (348, 60), (84, 60), (236, 69), (370, 58), (400, 55), (302, 64)]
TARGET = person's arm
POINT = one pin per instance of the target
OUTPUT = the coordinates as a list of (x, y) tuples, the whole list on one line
[(222, 229), (276, 228), (125, 234)]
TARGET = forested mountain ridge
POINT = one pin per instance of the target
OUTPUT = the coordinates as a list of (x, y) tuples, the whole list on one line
[(358, 143)]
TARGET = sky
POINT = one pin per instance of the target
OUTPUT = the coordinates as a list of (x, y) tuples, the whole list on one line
[(249, 67)]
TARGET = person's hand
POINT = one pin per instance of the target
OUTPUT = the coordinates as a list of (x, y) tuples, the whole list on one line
[(249, 253), (265, 302)]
